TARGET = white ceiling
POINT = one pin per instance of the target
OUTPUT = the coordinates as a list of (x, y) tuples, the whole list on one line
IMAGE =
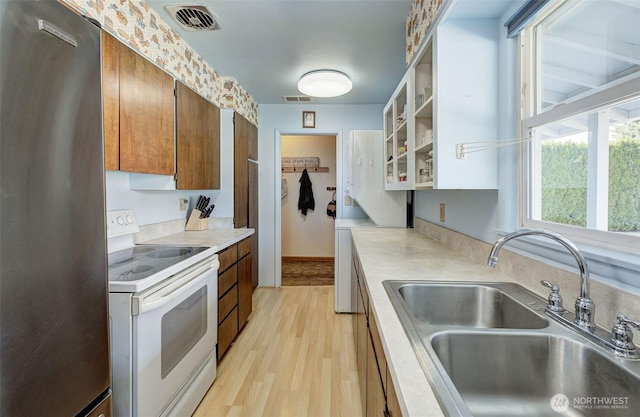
[(267, 45)]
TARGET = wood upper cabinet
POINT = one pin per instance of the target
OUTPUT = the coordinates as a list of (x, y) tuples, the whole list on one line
[(241, 171), (252, 142), (111, 101), (138, 112), (197, 142)]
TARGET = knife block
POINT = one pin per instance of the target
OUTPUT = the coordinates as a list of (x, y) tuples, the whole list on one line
[(195, 222)]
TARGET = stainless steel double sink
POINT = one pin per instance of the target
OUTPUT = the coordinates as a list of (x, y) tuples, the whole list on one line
[(488, 349)]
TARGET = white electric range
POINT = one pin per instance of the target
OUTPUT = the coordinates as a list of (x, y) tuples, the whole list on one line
[(163, 308)]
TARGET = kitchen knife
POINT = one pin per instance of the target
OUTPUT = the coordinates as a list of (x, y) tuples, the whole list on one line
[(208, 211), (199, 203), (203, 203)]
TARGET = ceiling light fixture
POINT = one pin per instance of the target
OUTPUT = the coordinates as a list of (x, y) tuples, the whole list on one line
[(324, 83)]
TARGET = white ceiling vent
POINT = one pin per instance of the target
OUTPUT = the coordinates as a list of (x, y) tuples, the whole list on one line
[(297, 99), (194, 18)]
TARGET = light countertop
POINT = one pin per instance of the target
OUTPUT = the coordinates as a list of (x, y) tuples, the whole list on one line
[(405, 254), (218, 239), (353, 223)]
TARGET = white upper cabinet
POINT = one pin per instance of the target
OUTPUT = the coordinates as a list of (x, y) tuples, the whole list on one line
[(423, 119), (448, 96), (465, 102), (398, 149)]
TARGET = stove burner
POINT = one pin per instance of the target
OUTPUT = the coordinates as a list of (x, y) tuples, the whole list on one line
[(169, 253), (131, 274)]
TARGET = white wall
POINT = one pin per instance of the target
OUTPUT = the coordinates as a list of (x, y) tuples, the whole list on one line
[(472, 212), (161, 206), (311, 235), (286, 119)]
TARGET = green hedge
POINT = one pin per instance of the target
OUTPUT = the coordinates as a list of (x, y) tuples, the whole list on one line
[(564, 183)]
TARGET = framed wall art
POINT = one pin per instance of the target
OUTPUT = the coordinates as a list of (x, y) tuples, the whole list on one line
[(309, 119)]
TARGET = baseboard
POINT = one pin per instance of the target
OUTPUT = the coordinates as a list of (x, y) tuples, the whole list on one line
[(307, 259)]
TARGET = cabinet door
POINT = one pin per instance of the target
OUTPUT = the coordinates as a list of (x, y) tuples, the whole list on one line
[(393, 405), (197, 141), (227, 331), (252, 136), (245, 289), (376, 403), (146, 116), (111, 101), (253, 218), (361, 349), (241, 174), (381, 358)]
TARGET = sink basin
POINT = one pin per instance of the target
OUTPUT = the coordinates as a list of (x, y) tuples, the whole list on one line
[(469, 305), (488, 349), (519, 374)]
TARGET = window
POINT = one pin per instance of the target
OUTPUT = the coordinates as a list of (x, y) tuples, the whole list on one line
[(581, 175)]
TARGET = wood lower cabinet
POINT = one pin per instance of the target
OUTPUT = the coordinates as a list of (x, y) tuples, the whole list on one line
[(362, 336), (234, 292), (377, 392), (376, 401), (227, 331), (393, 405), (245, 287), (138, 111)]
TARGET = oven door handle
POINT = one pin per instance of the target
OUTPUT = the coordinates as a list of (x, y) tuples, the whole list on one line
[(147, 302)]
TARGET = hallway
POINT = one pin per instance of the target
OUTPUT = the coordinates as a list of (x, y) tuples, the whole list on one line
[(296, 357)]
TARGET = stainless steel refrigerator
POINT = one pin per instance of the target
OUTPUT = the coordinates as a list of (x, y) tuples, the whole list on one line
[(54, 330)]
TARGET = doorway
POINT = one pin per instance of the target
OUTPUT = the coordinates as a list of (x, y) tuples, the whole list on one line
[(307, 240)]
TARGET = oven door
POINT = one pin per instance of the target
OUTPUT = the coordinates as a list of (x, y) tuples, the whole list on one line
[(174, 329)]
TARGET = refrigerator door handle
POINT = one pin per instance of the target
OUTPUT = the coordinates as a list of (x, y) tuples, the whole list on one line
[(58, 33), (157, 298)]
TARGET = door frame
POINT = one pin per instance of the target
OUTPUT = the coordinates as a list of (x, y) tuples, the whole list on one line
[(277, 244)]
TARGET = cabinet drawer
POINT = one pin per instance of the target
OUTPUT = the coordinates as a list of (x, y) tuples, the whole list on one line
[(227, 303), (227, 280), (227, 331), (244, 247), (228, 257)]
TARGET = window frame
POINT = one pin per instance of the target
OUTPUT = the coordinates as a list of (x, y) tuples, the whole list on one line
[(530, 117)]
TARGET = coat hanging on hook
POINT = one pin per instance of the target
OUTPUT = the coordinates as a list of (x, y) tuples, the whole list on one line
[(306, 201)]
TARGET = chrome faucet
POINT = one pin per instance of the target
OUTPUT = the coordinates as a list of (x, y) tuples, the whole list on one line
[(585, 308)]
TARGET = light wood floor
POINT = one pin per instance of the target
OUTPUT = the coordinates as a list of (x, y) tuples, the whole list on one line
[(295, 357)]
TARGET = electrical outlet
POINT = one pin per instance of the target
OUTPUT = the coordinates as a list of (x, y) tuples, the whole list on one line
[(347, 200), (182, 203), (442, 212)]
